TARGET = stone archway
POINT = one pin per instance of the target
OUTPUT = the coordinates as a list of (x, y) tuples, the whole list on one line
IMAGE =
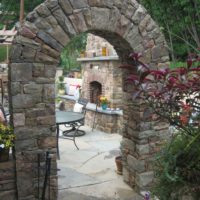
[(34, 56)]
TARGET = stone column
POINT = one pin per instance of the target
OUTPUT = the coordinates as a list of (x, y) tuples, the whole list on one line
[(142, 136)]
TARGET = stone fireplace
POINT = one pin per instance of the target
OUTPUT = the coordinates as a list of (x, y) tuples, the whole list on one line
[(104, 78), (101, 74)]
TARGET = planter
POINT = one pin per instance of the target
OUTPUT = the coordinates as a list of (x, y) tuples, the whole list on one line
[(61, 92), (104, 106), (4, 154), (118, 161)]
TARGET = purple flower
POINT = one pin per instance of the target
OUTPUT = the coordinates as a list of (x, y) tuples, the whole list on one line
[(147, 196)]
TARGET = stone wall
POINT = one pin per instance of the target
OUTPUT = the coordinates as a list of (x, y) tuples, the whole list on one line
[(69, 104), (95, 45), (8, 189), (142, 138), (108, 123), (33, 59)]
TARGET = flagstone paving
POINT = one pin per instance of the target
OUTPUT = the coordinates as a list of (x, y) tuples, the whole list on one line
[(90, 173)]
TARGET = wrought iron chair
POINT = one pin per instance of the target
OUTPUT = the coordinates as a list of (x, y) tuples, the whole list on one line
[(73, 129), (4, 116)]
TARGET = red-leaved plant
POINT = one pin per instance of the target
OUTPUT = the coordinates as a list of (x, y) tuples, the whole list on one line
[(173, 94)]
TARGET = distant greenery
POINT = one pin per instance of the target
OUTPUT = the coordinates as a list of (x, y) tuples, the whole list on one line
[(3, 52), (177, 64), (72, 51), (174, 65), (11, 8)]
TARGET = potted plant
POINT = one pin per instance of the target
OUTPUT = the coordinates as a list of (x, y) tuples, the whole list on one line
[(118, 161), (61, 85), (104, 102), (6, 141)]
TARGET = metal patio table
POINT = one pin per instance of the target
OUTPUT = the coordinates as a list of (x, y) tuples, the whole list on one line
[(72, 119)]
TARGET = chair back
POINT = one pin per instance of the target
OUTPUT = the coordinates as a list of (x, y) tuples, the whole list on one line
[(84, 103), (3, 118)]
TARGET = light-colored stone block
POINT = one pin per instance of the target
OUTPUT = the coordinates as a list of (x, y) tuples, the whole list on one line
[(144, 179), (18, 119)]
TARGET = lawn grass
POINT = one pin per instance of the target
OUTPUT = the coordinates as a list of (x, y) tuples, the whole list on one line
[(174, 65)]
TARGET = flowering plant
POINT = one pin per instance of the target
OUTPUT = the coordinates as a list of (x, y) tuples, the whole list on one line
[(172, 94), (6, 136), (103, 100)]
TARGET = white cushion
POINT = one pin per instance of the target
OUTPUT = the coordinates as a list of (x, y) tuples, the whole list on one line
[(78, 108)]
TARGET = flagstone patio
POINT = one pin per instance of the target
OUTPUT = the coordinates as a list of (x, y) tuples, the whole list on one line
[(89, 173)]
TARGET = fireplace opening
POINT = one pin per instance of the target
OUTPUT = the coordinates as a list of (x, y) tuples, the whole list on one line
[(95, 91)]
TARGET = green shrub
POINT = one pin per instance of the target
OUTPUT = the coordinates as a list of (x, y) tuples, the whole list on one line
[(177, 167)]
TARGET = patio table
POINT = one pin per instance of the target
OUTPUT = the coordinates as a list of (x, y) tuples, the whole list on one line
[(72, 119)]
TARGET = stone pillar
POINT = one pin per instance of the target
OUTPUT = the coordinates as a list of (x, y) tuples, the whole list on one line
[(142, 138), (7, 180)]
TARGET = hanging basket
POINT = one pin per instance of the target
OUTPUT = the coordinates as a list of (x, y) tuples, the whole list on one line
[(4, 154)]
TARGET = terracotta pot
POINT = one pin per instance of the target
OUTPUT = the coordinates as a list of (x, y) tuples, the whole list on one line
[(118, 161), (4, 154)]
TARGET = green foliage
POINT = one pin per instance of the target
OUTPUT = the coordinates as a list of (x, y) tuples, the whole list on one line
[(61, 84), (11, 9), (72, 51), (58, 99), (6, 136), (177, 167), (3, 53), (174, 65), (61, 78), (173, 95), (180, 22)]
